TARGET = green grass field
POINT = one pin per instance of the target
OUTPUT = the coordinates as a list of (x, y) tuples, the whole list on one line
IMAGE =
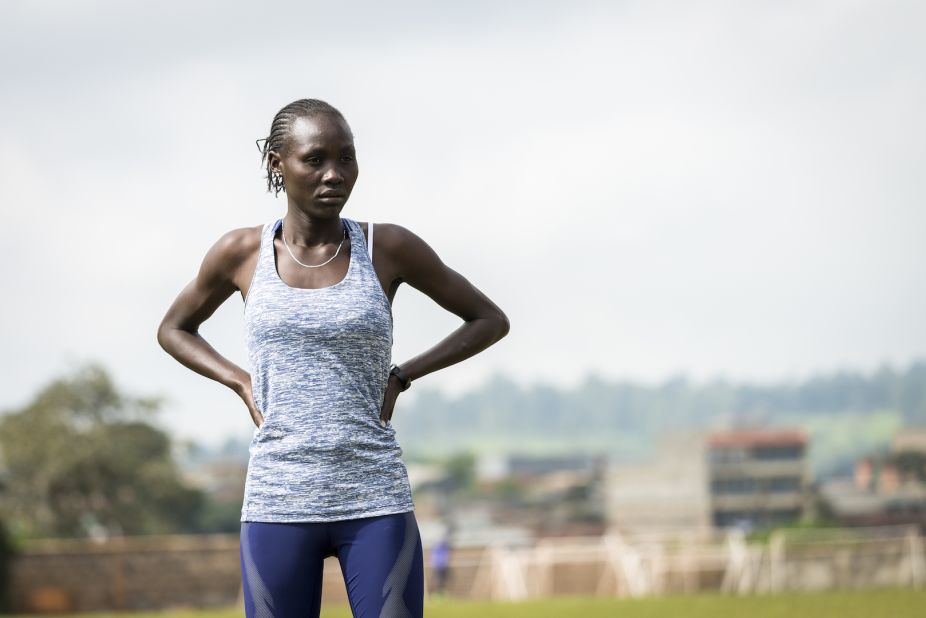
[(875, 603)]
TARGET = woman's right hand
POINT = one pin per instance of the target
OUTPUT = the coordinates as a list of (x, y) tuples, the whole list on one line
[(245, 392)]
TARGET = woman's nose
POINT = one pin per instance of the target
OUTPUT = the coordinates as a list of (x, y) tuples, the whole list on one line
[(333, 175)]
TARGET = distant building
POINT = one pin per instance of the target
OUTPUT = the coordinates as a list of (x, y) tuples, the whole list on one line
[(909, 440), (886, 488), (757, 477), (668, 492), (876, 505), (549, 476), (547, 494), (532, 466), (701, 480)]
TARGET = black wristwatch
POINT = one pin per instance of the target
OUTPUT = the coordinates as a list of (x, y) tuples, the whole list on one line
[(403, 379)]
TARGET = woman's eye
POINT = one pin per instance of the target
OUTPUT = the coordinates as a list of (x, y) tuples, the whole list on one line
[(347, 158)]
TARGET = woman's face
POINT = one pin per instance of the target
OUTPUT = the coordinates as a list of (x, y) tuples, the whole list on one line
[(319, 165)]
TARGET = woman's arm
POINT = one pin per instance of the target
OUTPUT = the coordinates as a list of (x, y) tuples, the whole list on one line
[(218, 278), (415, 262)]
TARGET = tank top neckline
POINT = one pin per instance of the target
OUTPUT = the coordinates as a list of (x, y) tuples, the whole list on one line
[(350, 266)]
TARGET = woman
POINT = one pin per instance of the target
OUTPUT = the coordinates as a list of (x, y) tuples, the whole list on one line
[(325, 477)]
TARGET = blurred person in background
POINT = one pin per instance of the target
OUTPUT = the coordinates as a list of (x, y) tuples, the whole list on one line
[(440, 563)]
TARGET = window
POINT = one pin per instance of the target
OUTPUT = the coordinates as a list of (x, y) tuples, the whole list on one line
[(772, 453), (733, 486), (727, 455), (783, 483)]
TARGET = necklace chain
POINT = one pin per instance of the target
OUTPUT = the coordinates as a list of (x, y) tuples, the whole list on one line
[(312, 265)]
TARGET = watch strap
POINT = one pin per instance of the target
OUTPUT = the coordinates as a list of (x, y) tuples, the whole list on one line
[(403, 377)]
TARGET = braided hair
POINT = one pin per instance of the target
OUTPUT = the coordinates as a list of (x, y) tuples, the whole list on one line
[(280, 130)]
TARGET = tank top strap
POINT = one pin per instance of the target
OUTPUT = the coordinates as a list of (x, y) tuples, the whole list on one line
[(362, 250), (264, 260), (366, 274), (370, 240)]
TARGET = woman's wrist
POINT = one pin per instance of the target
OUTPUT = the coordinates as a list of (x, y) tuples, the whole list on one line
[(241, 384), (402, 378)]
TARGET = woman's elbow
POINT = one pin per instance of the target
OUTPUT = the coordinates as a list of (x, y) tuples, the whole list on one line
[(165, 336), (503, 325)]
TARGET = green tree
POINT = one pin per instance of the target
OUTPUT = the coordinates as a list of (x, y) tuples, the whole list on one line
[(80, 459), (460, 471)]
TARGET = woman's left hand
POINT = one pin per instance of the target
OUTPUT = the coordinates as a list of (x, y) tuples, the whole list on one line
[(393, 388)]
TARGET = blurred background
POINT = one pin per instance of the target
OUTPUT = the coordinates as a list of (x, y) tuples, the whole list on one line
[(704, 221)]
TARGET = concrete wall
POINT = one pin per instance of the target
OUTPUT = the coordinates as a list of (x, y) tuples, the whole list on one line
[(163, 572)]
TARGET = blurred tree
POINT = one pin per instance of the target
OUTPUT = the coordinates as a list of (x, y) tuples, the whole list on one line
[(461, 471), (81, 461)]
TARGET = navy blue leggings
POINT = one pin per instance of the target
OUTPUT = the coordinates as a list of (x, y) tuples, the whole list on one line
[(380, 556)]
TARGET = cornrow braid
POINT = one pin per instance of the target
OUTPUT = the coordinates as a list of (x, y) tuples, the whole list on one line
[(280, 130)]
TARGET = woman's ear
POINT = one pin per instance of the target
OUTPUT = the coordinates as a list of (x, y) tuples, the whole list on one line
[(275, 161)]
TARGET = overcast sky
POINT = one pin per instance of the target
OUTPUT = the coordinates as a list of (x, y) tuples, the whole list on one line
[(646, 188)]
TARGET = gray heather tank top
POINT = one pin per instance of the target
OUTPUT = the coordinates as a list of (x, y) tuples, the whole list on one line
[(319, 361)]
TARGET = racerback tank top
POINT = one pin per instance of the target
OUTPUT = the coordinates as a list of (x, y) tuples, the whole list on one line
[(319, 361)]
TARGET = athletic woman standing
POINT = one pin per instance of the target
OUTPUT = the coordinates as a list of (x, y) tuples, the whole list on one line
[(325, 477)]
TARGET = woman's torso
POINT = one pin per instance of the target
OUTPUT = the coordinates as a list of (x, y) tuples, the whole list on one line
[(319, 361)]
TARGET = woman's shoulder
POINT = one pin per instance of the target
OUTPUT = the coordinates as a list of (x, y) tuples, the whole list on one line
[(228, 255), (387, 235), (405, 250), (238, 244)]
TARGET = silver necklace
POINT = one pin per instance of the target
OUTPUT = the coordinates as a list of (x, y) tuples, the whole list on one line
[(283, 233)]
